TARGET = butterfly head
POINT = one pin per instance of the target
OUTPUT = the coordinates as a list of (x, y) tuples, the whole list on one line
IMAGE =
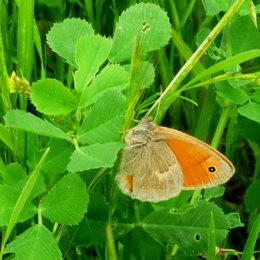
[(140, 134)]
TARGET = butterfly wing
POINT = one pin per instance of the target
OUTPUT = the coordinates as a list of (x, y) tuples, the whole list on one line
[(150, 172), (202, 165)]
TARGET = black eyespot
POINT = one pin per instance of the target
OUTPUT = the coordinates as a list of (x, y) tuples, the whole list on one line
[(212, 169)]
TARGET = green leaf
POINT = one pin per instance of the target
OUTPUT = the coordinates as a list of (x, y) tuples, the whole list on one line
[(243, 35), (142, 23), (104, 122), (249, 128), (211, 252), (5, 137), (50, 97), (252, 193), (234, 220), (250, 110), (58, 157), (67, 201), (63, 37), (34, 149), (8, 198), (91, 52), (213, 7), (142, 246), (93, 226), (91, 231), (214, 192), (189, 230), (234, 95), (36, 243), (16, 178), (94, 156), (37, 188), (30, 123), (13, 174), (113, 76), (144, 76), (176, 202), (256, 96)]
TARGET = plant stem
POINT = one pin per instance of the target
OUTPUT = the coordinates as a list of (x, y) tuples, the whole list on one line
[(95, 180), (168, 96), (3, 70), (221, 126), (112, 255)]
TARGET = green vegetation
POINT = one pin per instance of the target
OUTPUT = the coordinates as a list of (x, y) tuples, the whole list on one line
[(73, 76)]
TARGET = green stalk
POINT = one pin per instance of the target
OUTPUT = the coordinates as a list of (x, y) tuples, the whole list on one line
[(89, 9), (221, 126), (172, 9), (25, 47), (185, 51), (134, 87), (25, 38), (38, 46), (256, 150), (206, 114), (168, 95), (96, 179), (223, 77), (112, 255), (3, 70), (187, 13)]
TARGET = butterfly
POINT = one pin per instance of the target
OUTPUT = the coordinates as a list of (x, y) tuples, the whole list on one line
[(158, 162)]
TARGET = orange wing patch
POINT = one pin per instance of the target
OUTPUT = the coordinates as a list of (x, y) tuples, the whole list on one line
[(198, 166), (128, 182)]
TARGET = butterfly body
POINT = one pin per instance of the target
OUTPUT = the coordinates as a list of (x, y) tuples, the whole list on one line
[(158, 162)]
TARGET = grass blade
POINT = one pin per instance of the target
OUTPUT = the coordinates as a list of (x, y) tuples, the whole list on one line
[(251, 241), (23, 198)]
